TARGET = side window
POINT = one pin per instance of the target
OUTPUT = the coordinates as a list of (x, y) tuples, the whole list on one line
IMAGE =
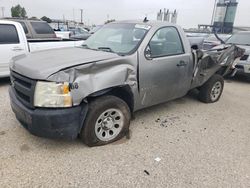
[(165, 42), (42, 28), (8, 34)]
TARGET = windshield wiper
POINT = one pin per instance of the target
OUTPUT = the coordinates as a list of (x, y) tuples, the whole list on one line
[(107, 49), (85, 46)]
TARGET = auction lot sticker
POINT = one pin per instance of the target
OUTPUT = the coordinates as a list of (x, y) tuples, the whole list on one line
[(142, 26)]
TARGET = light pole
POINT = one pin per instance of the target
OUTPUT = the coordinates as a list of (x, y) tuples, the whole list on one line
[(215, 2), (2, 8), (73, 14), (81, 14)]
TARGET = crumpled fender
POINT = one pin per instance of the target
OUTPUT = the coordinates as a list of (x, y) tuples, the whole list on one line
[(220, 61), (97, 76)]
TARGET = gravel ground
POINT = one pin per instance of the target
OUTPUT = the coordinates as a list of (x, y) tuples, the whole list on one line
[(199, 145)]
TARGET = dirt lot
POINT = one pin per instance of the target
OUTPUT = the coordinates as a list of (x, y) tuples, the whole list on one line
[(199, 145)]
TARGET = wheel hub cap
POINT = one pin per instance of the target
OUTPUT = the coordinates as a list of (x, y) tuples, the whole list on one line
[(216, 91), (109, 124)]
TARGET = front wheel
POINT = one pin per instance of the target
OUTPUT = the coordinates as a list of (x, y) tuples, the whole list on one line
[(211, 91), (107, 120)]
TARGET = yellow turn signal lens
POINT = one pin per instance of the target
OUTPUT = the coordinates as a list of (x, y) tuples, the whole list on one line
[(65, 89)]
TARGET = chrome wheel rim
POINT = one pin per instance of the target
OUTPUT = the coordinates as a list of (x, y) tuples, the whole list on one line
[(109, 124), (216, 91)]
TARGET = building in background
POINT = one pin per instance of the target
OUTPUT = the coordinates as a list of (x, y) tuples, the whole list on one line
[(159, 15), (167, 16), (225, 16)]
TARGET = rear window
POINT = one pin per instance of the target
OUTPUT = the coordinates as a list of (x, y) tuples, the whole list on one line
[(42, 28), (8, 34), (24, 27)]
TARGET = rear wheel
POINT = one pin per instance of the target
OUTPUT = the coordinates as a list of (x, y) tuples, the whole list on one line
[(211, 91), (107, 120)]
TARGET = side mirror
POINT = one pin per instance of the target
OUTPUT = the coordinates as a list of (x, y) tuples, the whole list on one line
[(147, 53)]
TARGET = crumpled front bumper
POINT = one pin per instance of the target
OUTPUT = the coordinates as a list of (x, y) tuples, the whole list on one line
[(50, 123)]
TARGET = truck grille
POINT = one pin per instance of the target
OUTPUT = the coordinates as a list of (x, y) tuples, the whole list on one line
[(23, 88)]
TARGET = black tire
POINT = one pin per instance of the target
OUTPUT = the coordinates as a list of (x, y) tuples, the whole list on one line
[(248, 78), (205, 94), (96, 108)]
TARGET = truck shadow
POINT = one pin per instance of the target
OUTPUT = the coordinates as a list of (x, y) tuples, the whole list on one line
[(191, 97), (4, 81), (55, 145), (239, 78)]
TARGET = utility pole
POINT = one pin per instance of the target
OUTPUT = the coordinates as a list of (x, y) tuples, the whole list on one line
[(73, 14), (81, 15), (225, 17), (212, 21), (2, 8)]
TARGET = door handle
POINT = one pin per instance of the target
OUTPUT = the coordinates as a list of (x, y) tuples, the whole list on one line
[(182, 64), (16, 49)]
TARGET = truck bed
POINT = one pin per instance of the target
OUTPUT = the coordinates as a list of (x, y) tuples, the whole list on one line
[(38, 46)]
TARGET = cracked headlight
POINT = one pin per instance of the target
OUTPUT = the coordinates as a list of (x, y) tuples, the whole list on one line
[(52, 95)]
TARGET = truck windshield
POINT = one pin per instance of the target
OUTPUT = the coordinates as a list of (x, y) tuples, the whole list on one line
[(122, 39), (240, 38)]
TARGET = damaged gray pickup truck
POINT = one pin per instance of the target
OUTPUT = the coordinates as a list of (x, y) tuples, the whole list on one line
[(93, 90)]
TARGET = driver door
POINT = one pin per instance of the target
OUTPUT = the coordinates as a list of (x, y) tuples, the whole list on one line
[(163, 72)]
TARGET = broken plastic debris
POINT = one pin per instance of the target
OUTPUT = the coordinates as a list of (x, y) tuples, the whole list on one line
[(146, 172), (157, 159), (157, 120)]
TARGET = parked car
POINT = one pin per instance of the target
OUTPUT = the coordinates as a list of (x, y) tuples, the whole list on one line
[(79, 33), (211, 41), (13, 42), (95, 29), (93, 91), (36, 29), (63, 34), (87, 28), (242, 39)]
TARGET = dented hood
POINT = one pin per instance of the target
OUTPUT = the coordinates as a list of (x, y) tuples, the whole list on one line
[(40, 65)]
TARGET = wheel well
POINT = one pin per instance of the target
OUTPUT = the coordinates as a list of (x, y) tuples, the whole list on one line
[(122, 92)]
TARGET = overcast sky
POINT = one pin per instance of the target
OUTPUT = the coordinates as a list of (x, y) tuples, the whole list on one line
[(190, 12)]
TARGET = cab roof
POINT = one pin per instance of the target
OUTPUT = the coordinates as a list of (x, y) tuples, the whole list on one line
[(149, 22)]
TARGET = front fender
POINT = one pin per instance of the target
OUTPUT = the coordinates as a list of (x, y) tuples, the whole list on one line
[(98, 76)]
